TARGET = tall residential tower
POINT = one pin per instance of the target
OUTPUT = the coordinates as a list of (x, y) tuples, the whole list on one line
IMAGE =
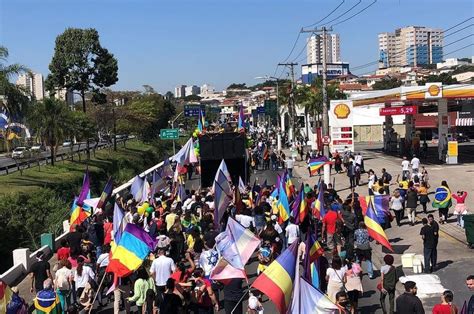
[(314, 49), (411, 46)]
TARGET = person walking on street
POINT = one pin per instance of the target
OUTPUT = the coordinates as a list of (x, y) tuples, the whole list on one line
[(470, 286), (290, 164), (443, 201), (423, 196), (40, 271), (386, 178), (351, 174), (429, 246), (408, 302), (405, 168), (396, 204), (371, 181), (388, 282), (446, 306), (415, 164), (363, 249), (412, 202), (460, 209)]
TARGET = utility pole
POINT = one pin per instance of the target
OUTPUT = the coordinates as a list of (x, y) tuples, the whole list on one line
[(325, 131), (291, 104)]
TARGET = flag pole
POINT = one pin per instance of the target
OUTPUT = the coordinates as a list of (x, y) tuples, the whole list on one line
[(241, 300), (97, 293)]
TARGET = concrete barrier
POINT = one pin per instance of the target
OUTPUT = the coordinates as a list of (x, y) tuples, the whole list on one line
[(23, 258)]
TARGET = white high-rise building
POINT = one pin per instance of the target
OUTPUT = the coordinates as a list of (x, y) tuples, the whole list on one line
[(314, 49), (192, 90), (33, 83), (411, 46), (180, 91), (207, 90)]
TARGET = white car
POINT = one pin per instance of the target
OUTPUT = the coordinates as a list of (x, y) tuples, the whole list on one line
[(67, 144), (20, 152)]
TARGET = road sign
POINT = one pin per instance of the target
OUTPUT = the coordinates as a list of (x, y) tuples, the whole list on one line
[(193, 110), (270, 107), (169, 134), (326, 140)]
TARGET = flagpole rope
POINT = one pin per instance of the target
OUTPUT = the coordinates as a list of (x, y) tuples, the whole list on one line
[(97, 292)]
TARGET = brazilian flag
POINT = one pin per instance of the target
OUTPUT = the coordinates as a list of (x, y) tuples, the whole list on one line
[(442, 198), (47, 301)]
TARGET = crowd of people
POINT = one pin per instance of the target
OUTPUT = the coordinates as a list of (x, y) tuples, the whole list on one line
[(175, 277)]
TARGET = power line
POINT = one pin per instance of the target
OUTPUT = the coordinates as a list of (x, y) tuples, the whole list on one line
[(344, 13), (354, 15), (315, 23), (470, 25)]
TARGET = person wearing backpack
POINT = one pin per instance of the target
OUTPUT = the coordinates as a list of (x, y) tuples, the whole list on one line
[(386, 178), (387, 284)]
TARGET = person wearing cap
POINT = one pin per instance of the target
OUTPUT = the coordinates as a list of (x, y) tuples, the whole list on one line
[(39, 272), (388, 282), (408, 302)]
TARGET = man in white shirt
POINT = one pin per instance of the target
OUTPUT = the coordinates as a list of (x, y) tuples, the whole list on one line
[(358, 159), (405, 167), (245, 220), (161, 269), (292, 232), (290, 164), (415, 164)]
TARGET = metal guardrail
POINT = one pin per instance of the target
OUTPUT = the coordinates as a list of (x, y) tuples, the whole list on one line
[(45, 160)]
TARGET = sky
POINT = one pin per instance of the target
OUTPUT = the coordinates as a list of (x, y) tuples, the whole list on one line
[(164, 43)]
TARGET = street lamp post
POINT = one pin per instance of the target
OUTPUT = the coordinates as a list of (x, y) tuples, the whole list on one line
[(171, 122), (266, 77)]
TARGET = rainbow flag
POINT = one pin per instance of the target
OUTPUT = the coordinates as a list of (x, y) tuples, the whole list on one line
[(47, 301), (283, 205), (374, 229), (289, 186), (109, 186), (134, 246), (314, 249), (442, 198), (85, 190), (299, 206), (5, 296), (201, 121), (241, 126), (316, 163), (381, 203), (277, 279), (319, 210), (78, 214)]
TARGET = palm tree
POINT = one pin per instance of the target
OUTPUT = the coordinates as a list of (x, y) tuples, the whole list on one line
[(51, 118)]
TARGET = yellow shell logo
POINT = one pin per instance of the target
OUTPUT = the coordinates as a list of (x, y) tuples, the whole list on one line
[(433, 90), (342, 111)]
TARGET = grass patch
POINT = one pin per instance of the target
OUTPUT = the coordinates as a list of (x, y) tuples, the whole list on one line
[(67, 175)]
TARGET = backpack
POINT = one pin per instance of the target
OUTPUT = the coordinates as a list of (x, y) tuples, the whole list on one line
[(390, 279), (388, 176)]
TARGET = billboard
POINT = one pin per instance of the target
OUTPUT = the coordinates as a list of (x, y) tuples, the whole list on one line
[(341, 125)]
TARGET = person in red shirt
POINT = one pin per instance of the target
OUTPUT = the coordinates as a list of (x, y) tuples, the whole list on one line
[(446, 306), (329, 226), (64, 251), (182, 273), (108, 227)]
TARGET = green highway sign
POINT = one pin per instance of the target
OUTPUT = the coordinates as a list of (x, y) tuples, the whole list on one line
[(169, 134)]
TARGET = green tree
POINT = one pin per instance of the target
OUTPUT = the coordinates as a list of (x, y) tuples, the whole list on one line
[(387, 83), (17, 99), (237, 86), (192, 98), (52, 121), (81, 64), (444, 78)]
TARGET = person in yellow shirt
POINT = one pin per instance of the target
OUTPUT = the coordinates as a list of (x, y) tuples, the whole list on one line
[(423, 195)]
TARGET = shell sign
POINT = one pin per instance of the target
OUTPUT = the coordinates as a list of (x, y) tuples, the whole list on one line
[(434, 90), (342, 111)]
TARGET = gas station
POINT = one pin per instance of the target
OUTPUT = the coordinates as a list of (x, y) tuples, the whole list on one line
[(434, 114)]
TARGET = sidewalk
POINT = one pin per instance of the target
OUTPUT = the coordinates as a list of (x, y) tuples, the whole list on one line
[(455, 259)]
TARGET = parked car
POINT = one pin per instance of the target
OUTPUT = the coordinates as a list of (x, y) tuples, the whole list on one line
[(462, 138), (21, 152), (67, 144)]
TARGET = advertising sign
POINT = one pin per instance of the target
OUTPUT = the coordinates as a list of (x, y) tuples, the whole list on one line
[(393, 111), (341, 125)]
